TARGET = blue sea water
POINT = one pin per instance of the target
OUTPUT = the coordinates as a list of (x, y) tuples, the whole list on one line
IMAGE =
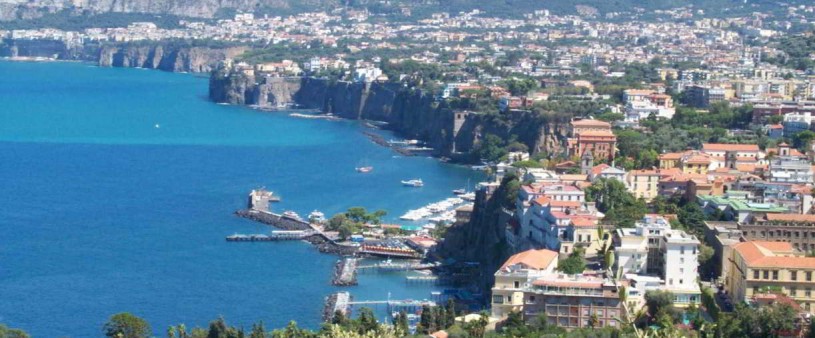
[(118, 186)]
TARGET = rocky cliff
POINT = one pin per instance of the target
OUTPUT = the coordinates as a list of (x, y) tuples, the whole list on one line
[(483, 238), (163, 56), (167, 58), (411, 112)]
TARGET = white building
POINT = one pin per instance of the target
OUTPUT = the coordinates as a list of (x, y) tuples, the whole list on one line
[(788, 169), (655, 250)]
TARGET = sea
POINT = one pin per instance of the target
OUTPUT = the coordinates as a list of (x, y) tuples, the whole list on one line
[(119, 186)]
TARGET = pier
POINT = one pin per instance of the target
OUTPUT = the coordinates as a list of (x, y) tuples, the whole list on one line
[(345, 272), (391, 266), (318, 238), (434, 280), (381, 141), (274, 236), (343, 302)]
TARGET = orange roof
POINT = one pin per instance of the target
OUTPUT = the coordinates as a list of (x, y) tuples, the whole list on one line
[(599, 168), (573, 177), (790, 217), (590, 133), (574, 204), (535, 259), (671, 156), (591, 123), (726, 147), (583, 222), (772, 255), (543, 200)]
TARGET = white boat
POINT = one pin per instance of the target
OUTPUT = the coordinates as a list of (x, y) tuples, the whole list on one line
[(316, 216), (470, 196), (364, 170), (461, 191), (413, 183), (291, 214)]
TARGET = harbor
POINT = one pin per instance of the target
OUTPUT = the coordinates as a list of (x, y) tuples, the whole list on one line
[(342, 302)]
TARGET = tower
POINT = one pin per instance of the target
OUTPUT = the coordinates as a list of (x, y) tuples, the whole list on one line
[(586, 162)]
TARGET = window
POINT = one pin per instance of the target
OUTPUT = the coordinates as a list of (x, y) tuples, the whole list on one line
[(793, 291), (766, 274), (681, 282), (498, 299), (517, 284), (755, 274), (793, 275), (808, 292), (681, 259), (682, 250), (809, 276), (775, 274)]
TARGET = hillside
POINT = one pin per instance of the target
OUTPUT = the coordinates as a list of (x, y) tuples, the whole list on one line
[(10, 10)]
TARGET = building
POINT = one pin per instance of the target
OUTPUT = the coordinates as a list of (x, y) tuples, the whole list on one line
[(789, 169), (528, 283), (642, 104), (758, 267), (796, 122), (653, 249), (645, 183), (516, 275), (572, 301), (796, 229), (594, 136)]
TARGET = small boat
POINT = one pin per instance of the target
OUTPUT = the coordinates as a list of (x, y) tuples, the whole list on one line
[(461, 191), (316, 216), (413, 183), (291, 214), (364, 170)]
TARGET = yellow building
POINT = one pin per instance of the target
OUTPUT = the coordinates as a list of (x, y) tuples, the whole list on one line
[(759, 267), (516, 275)]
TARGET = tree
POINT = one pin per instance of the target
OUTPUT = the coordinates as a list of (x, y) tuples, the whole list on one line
[(490, 149), (126, 325), (803, 139), (367, 321), (451, 313), (660, 304), (258, 331), (477, 328), (401, 323), (426, 321), (614, 199), (6, 332), (594, 321), (574, 264)]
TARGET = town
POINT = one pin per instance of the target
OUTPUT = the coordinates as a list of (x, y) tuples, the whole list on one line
[(649, 172)]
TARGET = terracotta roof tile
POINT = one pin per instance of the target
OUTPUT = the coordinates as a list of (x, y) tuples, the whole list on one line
[(535, 259)]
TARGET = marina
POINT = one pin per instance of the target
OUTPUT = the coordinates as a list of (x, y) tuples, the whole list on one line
[(438, 212)]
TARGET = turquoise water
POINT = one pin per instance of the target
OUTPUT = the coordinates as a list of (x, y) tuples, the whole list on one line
[(101, 211)]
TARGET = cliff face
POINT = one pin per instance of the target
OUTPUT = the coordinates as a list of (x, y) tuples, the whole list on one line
[(483, 239), (410, 112), (185, 8), (161, 56), (171, 59)]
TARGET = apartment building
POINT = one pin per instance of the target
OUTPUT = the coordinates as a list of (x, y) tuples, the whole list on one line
[(759, 267), (515, 276)]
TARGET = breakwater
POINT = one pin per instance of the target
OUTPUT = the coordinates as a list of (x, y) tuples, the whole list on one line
[(337, 302), (345, 272), (322, 242)]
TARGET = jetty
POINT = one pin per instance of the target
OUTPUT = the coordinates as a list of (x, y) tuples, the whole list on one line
[(274, 236), (423, 280), (339, 301), (378, 139), (388, 265), (345, 272)]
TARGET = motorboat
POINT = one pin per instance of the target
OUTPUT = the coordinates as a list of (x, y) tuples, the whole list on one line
[(413, 183)]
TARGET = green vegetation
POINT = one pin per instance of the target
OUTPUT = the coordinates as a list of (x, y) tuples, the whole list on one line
[(618, 204), (78, 21), (126, 325), (798, 50), (573, 264), (6, 332), (353, 220)]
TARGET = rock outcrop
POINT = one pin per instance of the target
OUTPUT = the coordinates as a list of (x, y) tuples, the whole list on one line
[(167, 58), (162, 56), (413, 113)]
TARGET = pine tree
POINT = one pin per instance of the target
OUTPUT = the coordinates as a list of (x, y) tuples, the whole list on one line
[(451, 313)]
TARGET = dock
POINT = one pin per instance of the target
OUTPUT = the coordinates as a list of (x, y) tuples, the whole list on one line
[(381, 141), (274, 236), (319, 239), (343, 302), (345, 272), (387, 266), (423, 280)]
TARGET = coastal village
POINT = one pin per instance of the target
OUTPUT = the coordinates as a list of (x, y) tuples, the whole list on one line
[(677, 197)]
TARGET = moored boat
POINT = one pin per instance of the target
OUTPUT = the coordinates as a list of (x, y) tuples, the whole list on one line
[(413, 183)]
